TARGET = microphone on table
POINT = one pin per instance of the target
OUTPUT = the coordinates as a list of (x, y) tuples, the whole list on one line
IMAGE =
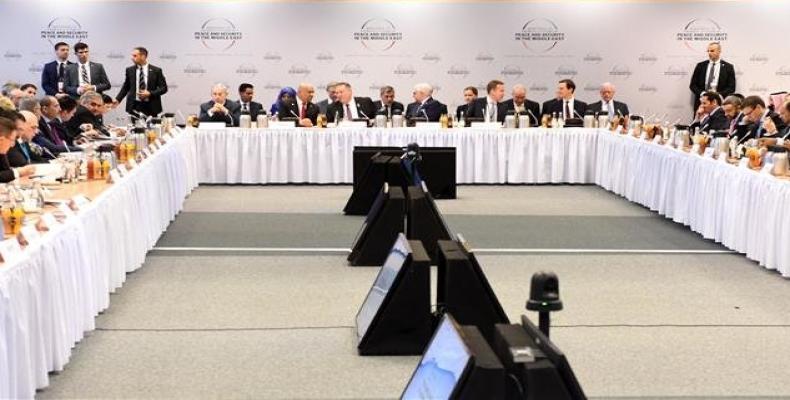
[(426, 115), (537, 121), (577, 114), (359, 110)]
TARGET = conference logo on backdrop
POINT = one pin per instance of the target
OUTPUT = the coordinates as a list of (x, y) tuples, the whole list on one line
[(512, 71), (538, 88), (589, 87), (324, 57), (620, 71), (431, 58), (300, 70), (485, 58), (676, 71), (378, 34), (592, 58), (194, 70), (760, 59), (758, 88), (167, 56), (246, 71), (458, 71), (699, 32), (63, 29), (783, 71), (274, 86), (647, 89), (738, 71), (404, 70), (272, 57), (566, 71), (647, 59), (218, 34), (375, 88), (540, 35), (353, 71), (35, 68), (12, 55)]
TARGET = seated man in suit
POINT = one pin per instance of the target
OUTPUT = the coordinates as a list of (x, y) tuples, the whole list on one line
[(608, 105), (87, 120), (710, 116), (53, 75), (490, 108), (323, 105), (565, 104), (348, 107), (774, 134), (219, 108), (302, 108), (246, 93), (520, 105), (8, 126), (470, 94), (387, 105), (424, 105), (49, 134), (26, 152), (757, 120), (732, 108), (85, 75)]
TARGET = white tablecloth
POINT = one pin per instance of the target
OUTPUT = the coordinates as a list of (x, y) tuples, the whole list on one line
[(256, 156), (50, 296)]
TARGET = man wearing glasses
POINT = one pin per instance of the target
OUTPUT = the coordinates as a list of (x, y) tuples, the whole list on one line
[(85, 75)]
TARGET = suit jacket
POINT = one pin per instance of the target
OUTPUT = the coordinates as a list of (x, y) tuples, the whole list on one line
[(433, 109), (619, 108), (62, 131), (716, 121), (323, 105), (255, 108), (755, 131), (555, 106), (49, 77), (17, 158), (530, 105), (395, 108), (6, 173), (365, 104), (157, 86), (479, 107), (288, 111), (98, 78), (463, 108), (229, 119), (726, 84), (47, 139), (82, 116)]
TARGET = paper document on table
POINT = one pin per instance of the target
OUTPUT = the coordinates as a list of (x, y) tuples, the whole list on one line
[(49, 171)]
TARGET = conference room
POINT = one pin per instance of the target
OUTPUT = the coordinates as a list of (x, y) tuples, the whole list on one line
[(394, 199)]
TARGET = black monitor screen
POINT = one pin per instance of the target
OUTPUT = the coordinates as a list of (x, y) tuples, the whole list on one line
[(556, 356), (375, 209), (442, 366), (389, 271)]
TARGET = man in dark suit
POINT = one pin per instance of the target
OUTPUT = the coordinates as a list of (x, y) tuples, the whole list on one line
[(219, 108), (246, 93), (387, 105), (470, 94), (490, 108), (85, 75), (144, 85), (758, 121), (89, 111), (349, 107), (323, 105), (520, 105), (608, 105), (26, 152), (713, 74), (50, 135), (8, 135), (711, 116), (302, 107), (424, 105), (565, 104), (53, 77)]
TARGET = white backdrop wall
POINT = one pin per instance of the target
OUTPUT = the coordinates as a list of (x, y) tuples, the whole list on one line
[(647, 49)]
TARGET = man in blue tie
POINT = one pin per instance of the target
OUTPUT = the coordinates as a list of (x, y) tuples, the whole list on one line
[(755, 116), (26, 152)]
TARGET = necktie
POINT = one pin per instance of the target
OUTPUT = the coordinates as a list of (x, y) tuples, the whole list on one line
[(244, 107), (348, 112), (303, 111), (54, 133), (567, 110), (710, 75), (491, 112), (142, 85), (61, 69), (759, 129), (387, 111), (84, 73), (25, 151)]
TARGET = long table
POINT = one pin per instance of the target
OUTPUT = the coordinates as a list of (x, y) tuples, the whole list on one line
[(50, 297)]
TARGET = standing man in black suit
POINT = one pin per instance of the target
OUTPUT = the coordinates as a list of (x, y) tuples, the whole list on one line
[(387, 105), (714, 75), (608, 105), (346, 106), (490, 108), (565, 104), (424, 105), (219, 108), (520, 105), (144, 85), (53, 77), (246, 93), (710, 116), (85, 75), (470, 94)]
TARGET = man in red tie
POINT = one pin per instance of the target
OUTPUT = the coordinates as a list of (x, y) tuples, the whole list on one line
[(307, 111)]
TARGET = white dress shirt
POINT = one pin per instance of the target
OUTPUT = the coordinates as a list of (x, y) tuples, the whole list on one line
[(137, 79), (570, 108), (352, 105), (716, 65)]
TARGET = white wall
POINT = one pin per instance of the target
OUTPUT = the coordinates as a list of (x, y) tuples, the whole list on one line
[(634, 45)]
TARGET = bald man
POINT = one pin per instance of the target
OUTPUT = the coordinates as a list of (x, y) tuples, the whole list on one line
[(607, 105), (26, 152), (520, 105), (219, 108), (712, 75), (303, 109)]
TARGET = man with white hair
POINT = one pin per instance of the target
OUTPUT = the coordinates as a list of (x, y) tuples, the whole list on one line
[(303, 108), (219, 108), (424, 105), (26, 152), (607, 105), (89, 112), (520, 105), (348, 107)]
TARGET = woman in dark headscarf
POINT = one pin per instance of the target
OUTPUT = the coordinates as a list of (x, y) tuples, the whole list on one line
[(287, 95)]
